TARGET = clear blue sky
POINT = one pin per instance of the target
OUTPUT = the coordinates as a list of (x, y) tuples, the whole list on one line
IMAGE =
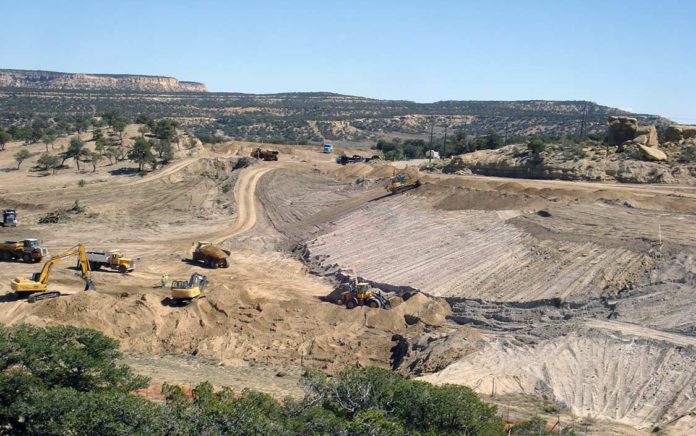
[(636, 55)]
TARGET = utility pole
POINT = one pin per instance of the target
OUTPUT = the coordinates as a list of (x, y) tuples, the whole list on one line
[(507, 127), (432, 126), (444, 144), (584, 119)]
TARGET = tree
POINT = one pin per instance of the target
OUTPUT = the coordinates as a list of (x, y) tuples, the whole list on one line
[(110, 116), (74, 151), (143, 130), (141, 152), (119, 125), (4, 139), (536, 146), (97, 134), (49, 138), (21, 156), (110, 155), (94, 158), (165, 129), (49, 161), (82, 124), (164, 150)]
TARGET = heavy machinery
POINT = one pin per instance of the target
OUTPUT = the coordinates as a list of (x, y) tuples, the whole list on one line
[(362, 294), (265, 154), (402, 182), (210, 255), (9, 218), (36, 288), (184, 292), (28, 250), (344, 160), (112, 259)]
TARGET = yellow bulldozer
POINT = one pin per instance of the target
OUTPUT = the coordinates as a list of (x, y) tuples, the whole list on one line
[(402, 182), (186, 291), (36, 288)]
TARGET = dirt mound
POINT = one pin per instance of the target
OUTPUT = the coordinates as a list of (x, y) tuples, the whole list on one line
[(352, 171)]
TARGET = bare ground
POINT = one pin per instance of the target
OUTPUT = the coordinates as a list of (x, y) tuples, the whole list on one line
[(577, 293)]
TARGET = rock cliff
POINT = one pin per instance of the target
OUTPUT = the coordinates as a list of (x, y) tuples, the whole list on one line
[(117, 82)]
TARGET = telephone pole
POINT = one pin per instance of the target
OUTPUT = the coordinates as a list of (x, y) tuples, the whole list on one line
[(444, 144)]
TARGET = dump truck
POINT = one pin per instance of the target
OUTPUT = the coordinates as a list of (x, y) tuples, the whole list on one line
[(401, 183), (186, 291), (9, 218), (362, 294), (112, 259), (265, 154), (210, 255), (28, 250), (36, 288)]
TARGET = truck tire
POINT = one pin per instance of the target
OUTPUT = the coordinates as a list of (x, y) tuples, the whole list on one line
[(122, 269), (351, 304), (26, 258)]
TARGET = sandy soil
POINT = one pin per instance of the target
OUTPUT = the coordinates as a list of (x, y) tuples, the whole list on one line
[(577, 293)]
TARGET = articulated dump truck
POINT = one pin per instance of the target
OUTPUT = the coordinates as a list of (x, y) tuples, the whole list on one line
[(210, 255), (28, 250)]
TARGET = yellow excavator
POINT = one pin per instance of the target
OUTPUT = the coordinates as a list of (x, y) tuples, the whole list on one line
[(185, 292), (36, 288)]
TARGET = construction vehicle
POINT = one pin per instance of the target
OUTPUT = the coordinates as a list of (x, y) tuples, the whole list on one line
[(112, 259), (28, 250), (328, 148), (9, 218), (362, 294), (344, 160), (402, 182), (186, 291), (265, 154), (210, 255), (36, 288)]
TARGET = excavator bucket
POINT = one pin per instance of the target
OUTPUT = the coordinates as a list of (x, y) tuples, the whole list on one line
[(89, 285)]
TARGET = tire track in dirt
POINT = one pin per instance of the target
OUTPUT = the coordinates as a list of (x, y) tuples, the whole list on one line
[(245, 196)]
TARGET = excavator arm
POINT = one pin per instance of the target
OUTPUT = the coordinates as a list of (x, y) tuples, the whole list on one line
[(81, 253)]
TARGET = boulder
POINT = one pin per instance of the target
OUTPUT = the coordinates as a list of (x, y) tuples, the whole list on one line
[(651, 133), (621, 129), (652, 153), (677, 133)]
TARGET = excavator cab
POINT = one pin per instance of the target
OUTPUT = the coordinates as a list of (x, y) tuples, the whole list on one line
[(186, 291)]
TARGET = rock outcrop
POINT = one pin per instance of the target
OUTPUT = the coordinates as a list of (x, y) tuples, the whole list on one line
[(116, 82), (678, 133), (621, 129), (626, 133)]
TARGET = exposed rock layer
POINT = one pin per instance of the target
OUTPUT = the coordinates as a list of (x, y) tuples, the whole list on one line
[(121, 82)]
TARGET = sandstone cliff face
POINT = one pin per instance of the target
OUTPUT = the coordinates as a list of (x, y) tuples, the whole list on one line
[(117, 82)]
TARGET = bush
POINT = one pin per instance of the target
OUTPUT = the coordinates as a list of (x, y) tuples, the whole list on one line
[(66, 380), (536, 146)]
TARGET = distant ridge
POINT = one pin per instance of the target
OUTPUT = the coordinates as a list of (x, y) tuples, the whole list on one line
[(82, 81)]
